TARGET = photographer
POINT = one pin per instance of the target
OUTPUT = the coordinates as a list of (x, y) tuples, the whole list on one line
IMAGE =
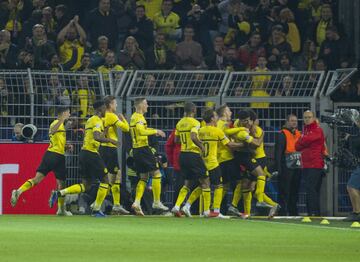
[(312, 147), (353, 186)]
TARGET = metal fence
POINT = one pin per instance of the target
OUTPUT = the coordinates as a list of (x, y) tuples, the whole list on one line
[(32, 97)]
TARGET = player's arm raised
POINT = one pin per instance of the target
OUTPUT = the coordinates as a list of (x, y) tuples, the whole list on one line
[(123, 123), (64, 116)]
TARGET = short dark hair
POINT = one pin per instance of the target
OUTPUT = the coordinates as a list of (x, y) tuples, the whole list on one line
[(189, 107), (98, 103), (62, 109), (208, 115), (253, 115), (138, 101), (221, 110), (140, 6), (243, 114), (290, 116), (108, 100)]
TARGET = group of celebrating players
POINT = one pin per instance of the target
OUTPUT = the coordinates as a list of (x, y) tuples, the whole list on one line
[(214, 153)]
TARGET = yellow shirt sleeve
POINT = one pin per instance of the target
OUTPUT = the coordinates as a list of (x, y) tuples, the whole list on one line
[(223, 138), (145, 131), (97, 126), (123, 125), (196, 127)]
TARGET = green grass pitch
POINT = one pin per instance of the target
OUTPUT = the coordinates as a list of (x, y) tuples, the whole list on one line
[(82, 238)]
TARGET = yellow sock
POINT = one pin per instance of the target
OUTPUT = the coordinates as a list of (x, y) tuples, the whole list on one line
[(140, 188), (247, 195), (195, 194), (100, 196), (26, 186), (206, 193), (74, 189), (115, 190), (260, 188), (269, 201), (182, 195), (156, 186), (61, 201), (236, 195), (218, 192)]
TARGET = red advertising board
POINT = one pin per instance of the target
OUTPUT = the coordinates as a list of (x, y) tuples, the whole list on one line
[(18, 162)]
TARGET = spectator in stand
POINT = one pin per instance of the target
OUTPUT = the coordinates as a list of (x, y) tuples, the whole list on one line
[(260, 83), (159, 56), (8, 51), (307, 60), (35, 18), (215, 61), (102, 21), (346, 93), (167, 22), (285, 63), (231, 61), (152, 7), (311, 145), (142, 28), (293, 35), (240, 26), (61, 17), (55, 95), (86, 64), (320, 65), (213, 14), (132, 57), (56, 66), (98, 56), (49, 23), (41, 47), (277, 45), (335, 50), (286, 88), (4, 100), (249, 53), (110, 64), (25, 60), (38, 4), (188, 52), (72, 39), (17, 137)]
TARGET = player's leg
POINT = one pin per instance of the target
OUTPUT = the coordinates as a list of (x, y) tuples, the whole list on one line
[(103, 188), (115, 184), (216, 181), (156, 189), (247, 196), (185, 189), (30, 183), (206, 194), (258, 172), (139, 192)]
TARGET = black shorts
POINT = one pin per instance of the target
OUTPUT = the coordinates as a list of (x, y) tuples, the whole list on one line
[(144, 160), (230, 171), (215, 176), (92, 167), (246, 160), (110, 157), (55, 162), (262, 162), (192, 166)]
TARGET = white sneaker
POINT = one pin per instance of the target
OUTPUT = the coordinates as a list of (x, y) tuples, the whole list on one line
[(160, 206), (221, 216), (186, 210), (120, 210), (14, 197), (233, 211), (273, 211), (137, 209), (176, 211), (63, 212), (206, 214), (263, 204)]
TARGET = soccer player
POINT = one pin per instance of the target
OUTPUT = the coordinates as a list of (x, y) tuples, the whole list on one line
[(212, 137), (144, 160), (192, 165), (92, 166), (53, 160), (108, 151)]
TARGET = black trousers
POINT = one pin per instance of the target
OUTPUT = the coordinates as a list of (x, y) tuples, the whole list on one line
[(289, 184), (313, 179)]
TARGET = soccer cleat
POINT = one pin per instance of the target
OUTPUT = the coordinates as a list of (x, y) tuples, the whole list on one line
[(14, 197), (233, 211), (352, 217), (244, 216), (176, 211), (206, 214), (160, 206), (53, 198), (137, 209), (120, 210), (263, 204), (273, 211), (186, 210), (62, 212), (217, 215), (98, 213)]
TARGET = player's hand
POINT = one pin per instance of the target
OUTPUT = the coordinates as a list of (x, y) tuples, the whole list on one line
[(69, 148), (160, 133), (122, 117)]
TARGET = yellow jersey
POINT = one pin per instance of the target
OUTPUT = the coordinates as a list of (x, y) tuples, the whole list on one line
[(167, 25), (224, 152), (58, 139), (259, 151), (139, 130), (184, 128), (105, 70), (152, 7), (211, 137), (111, 124), (66, 52), (93, 124)]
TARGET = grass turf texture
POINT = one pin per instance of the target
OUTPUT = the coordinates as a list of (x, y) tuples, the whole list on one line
[(82, 238)]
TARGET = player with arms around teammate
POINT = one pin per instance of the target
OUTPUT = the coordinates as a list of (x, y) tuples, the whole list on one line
[(212, 138), (144, 160), (108, 151), (192, 166), (53, 160), (92, 166)]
